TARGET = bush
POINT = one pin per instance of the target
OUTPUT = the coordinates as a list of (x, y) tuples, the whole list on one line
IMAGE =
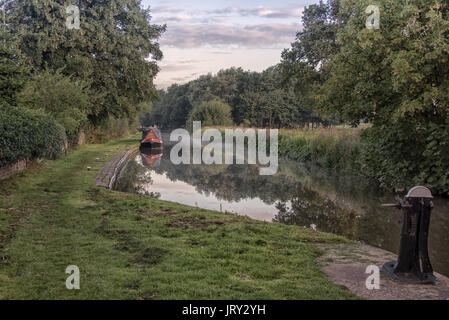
[(66, 100), (27, 134), (211, 113), (408, 153)]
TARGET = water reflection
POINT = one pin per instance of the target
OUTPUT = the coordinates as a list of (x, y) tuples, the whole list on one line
[(308, 208), (151, 158), (298, 194), (137, 174)]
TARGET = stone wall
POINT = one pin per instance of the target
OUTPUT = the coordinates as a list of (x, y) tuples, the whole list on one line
[(8, 171), (108, 175)]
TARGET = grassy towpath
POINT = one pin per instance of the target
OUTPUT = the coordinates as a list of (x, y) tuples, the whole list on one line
[(132, 247)]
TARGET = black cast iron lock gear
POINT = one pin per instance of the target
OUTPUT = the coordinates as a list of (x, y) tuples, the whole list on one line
[(413, 265)]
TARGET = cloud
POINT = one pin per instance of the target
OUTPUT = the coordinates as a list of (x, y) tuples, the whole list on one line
[(166, 9), (203, 40), (187, 18), (222, 52), (255, 36), (263, 12), (167, 14), (176, 67), (186, 78), (179, 65), (189, 61), (178, 18)]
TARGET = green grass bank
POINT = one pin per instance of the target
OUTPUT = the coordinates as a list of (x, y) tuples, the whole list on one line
[(133, 247), (337, 148)]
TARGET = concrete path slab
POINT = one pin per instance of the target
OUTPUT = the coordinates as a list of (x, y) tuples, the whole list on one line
[(346, 264)]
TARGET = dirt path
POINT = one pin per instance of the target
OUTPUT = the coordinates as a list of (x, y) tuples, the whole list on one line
[(346, 264)]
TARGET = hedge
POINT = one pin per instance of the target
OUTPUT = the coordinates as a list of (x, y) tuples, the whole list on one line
[(26, 134)]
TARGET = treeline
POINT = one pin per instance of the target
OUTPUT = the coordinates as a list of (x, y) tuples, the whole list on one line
[(233, 96), (395, 77), (56, 81)]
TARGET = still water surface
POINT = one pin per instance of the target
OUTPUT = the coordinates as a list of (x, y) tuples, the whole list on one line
[(297, 194)]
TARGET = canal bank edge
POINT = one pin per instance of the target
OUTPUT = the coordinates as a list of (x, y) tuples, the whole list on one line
[(107, 176)]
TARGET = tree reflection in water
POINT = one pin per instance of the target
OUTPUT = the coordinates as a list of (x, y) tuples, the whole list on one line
[(307, 208)]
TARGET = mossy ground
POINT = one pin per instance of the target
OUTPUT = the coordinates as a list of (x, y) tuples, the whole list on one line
[(133, 247)]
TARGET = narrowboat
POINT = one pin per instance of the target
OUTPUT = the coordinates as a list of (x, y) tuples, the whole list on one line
[(151, 138)]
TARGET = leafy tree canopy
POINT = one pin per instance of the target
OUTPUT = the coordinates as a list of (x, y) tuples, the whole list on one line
[(115, 49), (398, 79), (303, 64), (256, 99), (214, 112), (13, 73)]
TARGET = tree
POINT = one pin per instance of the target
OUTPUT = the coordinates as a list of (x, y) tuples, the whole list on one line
[(303, 66), (256, 99), (145, 120), (398, 79), (115, 49), (13, 74), (66, 99), (173, 107), (211, 113)]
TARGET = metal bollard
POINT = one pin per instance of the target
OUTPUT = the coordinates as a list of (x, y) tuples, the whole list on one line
[(413, 265)]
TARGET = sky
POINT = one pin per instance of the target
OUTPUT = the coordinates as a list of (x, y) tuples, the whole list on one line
[(206, 36)]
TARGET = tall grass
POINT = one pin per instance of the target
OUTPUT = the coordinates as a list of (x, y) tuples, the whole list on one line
[(336, 148)]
